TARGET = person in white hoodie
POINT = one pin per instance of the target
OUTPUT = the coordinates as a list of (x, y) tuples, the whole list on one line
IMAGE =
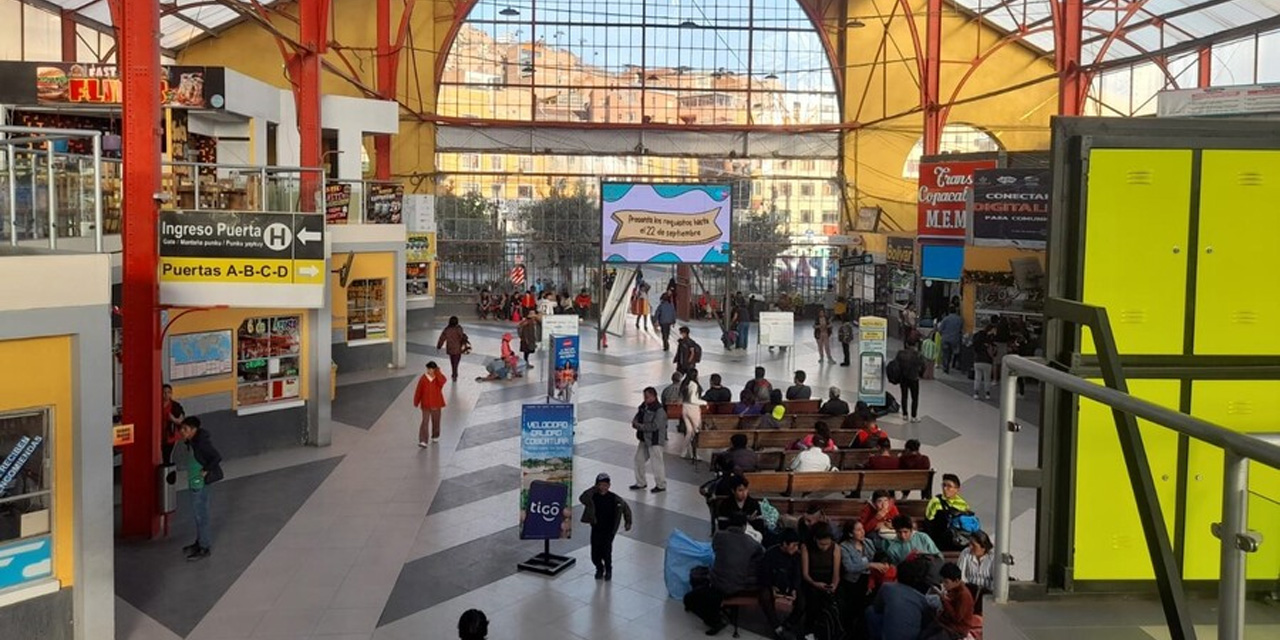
[(813, 458)]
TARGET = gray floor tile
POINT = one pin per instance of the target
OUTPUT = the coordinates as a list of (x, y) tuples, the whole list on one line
[(613, 452), (474, 486), (361, 404)]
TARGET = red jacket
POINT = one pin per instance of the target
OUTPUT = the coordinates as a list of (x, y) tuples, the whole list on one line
[(429, 394)]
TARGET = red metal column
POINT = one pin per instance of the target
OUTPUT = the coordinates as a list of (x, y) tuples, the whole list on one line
[(930, 83), (68, 37), (1204, 68), (1071, 81), (139, 38), (386, 87), (313, 28)]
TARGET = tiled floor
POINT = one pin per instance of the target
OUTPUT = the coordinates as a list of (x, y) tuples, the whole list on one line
[(376, 538)]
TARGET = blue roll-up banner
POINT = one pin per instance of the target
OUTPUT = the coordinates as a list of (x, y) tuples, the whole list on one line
[(546, 471), (565, 365)]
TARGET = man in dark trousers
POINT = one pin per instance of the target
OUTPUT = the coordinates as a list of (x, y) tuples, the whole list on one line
[(688, 352), (204, 467), (604, 510)]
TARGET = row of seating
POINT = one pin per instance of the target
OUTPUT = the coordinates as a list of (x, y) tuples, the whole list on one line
[(790, 483), (765, 439), (723, 409)]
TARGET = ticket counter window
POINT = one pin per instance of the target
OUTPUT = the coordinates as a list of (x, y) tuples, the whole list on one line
[(367, 310), (26, 497)]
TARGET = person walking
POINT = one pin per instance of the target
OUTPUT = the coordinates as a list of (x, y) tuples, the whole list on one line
[(822, 335), (473, 625), (951, 328), (743, 322), (688, 352), (908, 319), (666, 316), (912, 366), (845, 335), (429, 397), (528, 330), (604, 510), (650, 423), (984, 356), (204, 467), (455, 342), (640, 303), (691, 404)]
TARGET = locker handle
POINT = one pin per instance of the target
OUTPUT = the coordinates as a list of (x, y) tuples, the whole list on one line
[(1177, 250), (1208, 250)]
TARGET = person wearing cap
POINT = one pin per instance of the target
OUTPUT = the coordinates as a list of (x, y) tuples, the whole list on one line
[(604, 510)]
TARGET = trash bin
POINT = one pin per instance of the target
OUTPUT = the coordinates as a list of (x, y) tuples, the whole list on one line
[(167, 484)]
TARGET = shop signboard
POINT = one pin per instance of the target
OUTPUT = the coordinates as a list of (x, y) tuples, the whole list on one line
[(777, 329), (565, 365), (873, 334), (77, 83), (546, 471), (242, 259), (383, 203), (1011, 207), (665, 223), (25, 560), (337, 202), (900, 251), (943, 196)]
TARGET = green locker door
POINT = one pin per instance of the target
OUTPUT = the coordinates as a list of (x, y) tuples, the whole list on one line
[(1109, 544), (1250, 407), (1135, 263), (1239, 227)]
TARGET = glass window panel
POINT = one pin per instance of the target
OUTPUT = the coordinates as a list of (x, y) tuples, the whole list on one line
[(1269, 51), (86, 44), (10, 30), (42, 34), (1148, 80), (1233, 63)]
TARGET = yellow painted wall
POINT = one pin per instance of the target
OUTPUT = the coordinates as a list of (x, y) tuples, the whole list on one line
[(367, 266), (44, 380), (216, 319)]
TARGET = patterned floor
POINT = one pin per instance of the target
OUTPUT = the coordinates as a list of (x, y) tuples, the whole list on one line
[(375, 538)]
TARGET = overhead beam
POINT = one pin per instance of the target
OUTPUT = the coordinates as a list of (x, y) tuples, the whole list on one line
[(1185, 46)]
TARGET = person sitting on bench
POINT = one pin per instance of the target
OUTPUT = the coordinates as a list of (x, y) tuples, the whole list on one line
[(738, 458), (741, 503), (746, 405), (736, 566), (908, 541), (883, 460), (834, 406), (819, 429), (780, 579)]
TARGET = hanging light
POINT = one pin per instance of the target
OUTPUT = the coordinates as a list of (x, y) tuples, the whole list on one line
[(854, 23), (509, 12), (688, 24), (772, 76)]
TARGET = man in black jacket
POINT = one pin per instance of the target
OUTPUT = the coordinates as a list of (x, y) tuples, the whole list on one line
[(780, 579), (204, 467), (717, 392), (688, 352), (834, 406)]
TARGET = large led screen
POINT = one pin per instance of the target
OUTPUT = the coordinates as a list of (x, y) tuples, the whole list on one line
[(665, 223)]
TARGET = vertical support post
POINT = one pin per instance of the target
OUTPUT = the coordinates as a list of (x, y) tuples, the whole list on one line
[(930, 83), (1067, 57), (97, 193), (10, 159), (139, 38), (68, 36), (52, 191), (1004, 481), (1204, 68), (386, 87), (305, 71), (1235, 520)]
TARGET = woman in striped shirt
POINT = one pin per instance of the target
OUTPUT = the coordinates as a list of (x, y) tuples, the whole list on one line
[(977, 567)]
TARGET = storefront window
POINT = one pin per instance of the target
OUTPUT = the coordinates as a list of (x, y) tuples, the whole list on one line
[(26, 497), (269, 360), (367, 310)]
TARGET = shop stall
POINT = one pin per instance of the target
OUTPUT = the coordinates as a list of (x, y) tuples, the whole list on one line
[(900, 261)]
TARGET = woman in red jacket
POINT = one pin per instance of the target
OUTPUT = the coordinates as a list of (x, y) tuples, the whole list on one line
[(429, 396)]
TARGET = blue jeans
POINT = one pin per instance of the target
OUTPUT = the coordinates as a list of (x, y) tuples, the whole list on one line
[(743, 327), (200, 508)]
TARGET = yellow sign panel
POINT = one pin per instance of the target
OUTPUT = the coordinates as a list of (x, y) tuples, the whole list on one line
[(421, 247), (241, 270), (122, 434)]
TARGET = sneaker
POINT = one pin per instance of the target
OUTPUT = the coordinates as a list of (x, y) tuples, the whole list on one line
[(975, 397), (423, 445), (916, 419), (905, 418), (988, 396), (608, 575), (189, 548), (599, 573), (657, 490), (198, 553), (638, 487), (435, 439)]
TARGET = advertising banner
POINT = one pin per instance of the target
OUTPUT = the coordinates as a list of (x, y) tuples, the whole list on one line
[(75, 83), (1011, 207), (873, 334), (337, 202), (565, 365), (383, 203), (665, 223), (546, 471), (565, 324), (420, 257), (943, 197), (1219, 101), (242, 259), (900, 251), (777, 328)]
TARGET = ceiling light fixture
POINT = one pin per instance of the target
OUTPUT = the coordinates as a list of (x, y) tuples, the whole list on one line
[(509, 12), (688, 24), (772, 76), (855, 23)]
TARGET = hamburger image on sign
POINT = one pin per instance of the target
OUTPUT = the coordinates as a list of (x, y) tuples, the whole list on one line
[(51, 84)]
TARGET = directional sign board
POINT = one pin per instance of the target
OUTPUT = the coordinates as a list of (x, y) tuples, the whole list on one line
[(241, 259)]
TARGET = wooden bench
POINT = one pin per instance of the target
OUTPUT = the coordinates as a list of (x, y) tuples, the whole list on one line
[(767, 439), (802, 406), (788, 483), (714, 422)]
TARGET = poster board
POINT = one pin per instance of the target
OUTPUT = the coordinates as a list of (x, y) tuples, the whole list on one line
[(546, 471), (337, 202), (1010, 208), (873, 344), (777, 329), (383, 203), (564, 358), (197, 355), (665, 223), (558, 325)]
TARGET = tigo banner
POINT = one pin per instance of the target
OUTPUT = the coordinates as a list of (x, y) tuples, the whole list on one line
[(546, 471)]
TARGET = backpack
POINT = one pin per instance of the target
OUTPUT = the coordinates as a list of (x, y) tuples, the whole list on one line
[(695, 353), (894, 372), (952, 528), (846, 332), (827, 625)]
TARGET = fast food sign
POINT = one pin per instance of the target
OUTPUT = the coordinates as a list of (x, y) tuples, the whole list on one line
[(100, 84)]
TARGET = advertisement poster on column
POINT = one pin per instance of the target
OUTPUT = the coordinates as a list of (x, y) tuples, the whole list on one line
[(1011, 207), (872, 346), (546, 471), (665, 223), (565, 365), (944, 195)]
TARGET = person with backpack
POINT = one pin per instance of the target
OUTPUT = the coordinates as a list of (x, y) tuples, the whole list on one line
[(845, 335), (906, 370), (688, 352), (759, 387), (950, 519), (455, 342), (665, 317)]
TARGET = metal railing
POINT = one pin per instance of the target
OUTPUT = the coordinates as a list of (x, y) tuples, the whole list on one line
[(14, 136), (1239, 449)]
